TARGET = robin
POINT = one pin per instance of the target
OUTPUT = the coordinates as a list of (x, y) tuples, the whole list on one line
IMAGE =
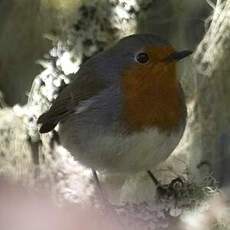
[(125, 110)]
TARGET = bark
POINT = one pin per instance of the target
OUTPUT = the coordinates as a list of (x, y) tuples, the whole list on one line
[(210, 123)]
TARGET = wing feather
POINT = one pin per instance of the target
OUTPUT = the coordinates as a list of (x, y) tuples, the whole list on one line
[(82, 88)]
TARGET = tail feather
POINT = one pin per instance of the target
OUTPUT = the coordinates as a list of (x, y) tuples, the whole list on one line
[(46, 124), (47, 127)]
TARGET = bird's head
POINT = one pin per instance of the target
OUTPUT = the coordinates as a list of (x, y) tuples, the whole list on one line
[(148, 79)]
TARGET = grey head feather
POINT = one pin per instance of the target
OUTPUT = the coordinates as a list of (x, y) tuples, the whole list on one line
[(110, 63)]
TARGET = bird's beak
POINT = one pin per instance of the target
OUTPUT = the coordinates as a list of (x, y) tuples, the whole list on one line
[(177, 55)]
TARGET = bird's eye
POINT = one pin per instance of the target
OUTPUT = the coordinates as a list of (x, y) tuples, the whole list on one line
[(142, 58)]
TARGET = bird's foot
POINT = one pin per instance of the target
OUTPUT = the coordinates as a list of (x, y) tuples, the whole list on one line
[(167, 191), (170, 191)]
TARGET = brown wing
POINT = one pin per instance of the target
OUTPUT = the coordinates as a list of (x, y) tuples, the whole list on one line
[(82, 88)]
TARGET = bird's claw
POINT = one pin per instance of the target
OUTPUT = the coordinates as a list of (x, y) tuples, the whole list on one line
[(170, 190), (176, 183)]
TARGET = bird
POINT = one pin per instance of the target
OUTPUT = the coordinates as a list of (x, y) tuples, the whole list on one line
[(125, 110)]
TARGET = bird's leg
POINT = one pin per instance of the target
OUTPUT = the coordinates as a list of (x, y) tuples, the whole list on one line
[(154, 179), (101, 191), (162, 190), (108, 207)]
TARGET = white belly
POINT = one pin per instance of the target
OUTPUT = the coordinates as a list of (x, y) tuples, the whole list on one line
[(130, 153)]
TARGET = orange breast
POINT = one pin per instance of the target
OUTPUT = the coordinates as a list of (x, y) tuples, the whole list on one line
[(152, 94)]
